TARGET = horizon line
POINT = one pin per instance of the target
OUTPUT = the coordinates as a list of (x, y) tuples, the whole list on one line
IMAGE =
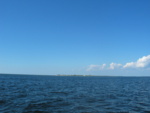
[(87, 75)]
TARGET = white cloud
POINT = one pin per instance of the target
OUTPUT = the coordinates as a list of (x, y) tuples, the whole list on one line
[(140, 63), (114, 66), (143, 62), (96, 67)]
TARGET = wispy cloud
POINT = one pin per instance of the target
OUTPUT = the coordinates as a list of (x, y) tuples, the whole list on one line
[(114, 66), (143, 62), (96, 67)]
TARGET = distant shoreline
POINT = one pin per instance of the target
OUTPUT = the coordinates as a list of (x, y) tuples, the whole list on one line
[(70, 75)]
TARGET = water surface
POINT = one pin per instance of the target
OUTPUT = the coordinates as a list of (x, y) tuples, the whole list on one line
[(60, 94)]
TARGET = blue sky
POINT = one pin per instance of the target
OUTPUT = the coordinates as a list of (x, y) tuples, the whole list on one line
[(99, 37)]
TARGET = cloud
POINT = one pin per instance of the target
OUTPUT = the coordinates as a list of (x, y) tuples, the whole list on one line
[(96, 67), (114, 66), (103, 66), (143, 62)]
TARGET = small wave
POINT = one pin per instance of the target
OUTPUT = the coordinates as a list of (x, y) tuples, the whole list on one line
[(36, 111), (36, 108), (2, 102), (65, 93)]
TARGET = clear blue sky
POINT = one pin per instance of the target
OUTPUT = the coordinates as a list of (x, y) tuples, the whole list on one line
[(75, 37)]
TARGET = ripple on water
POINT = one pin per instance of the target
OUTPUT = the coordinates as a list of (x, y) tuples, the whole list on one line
[(2, 102), (37, 107)]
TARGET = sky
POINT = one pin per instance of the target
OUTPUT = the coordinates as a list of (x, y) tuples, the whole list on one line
[(96, 37)]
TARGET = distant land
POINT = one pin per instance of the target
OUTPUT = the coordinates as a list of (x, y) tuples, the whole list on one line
[(44, 75), (70, 75), (73, 75)]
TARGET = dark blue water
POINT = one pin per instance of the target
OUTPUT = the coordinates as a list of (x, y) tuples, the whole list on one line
[(58, 94)]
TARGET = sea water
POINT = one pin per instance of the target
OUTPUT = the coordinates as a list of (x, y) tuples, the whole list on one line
[(74, 94)]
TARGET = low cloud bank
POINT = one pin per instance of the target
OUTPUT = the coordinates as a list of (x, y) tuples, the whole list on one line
[(140, 63), (143, 62)]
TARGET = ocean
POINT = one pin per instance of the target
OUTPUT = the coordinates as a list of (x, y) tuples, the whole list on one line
[(74, 94)]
